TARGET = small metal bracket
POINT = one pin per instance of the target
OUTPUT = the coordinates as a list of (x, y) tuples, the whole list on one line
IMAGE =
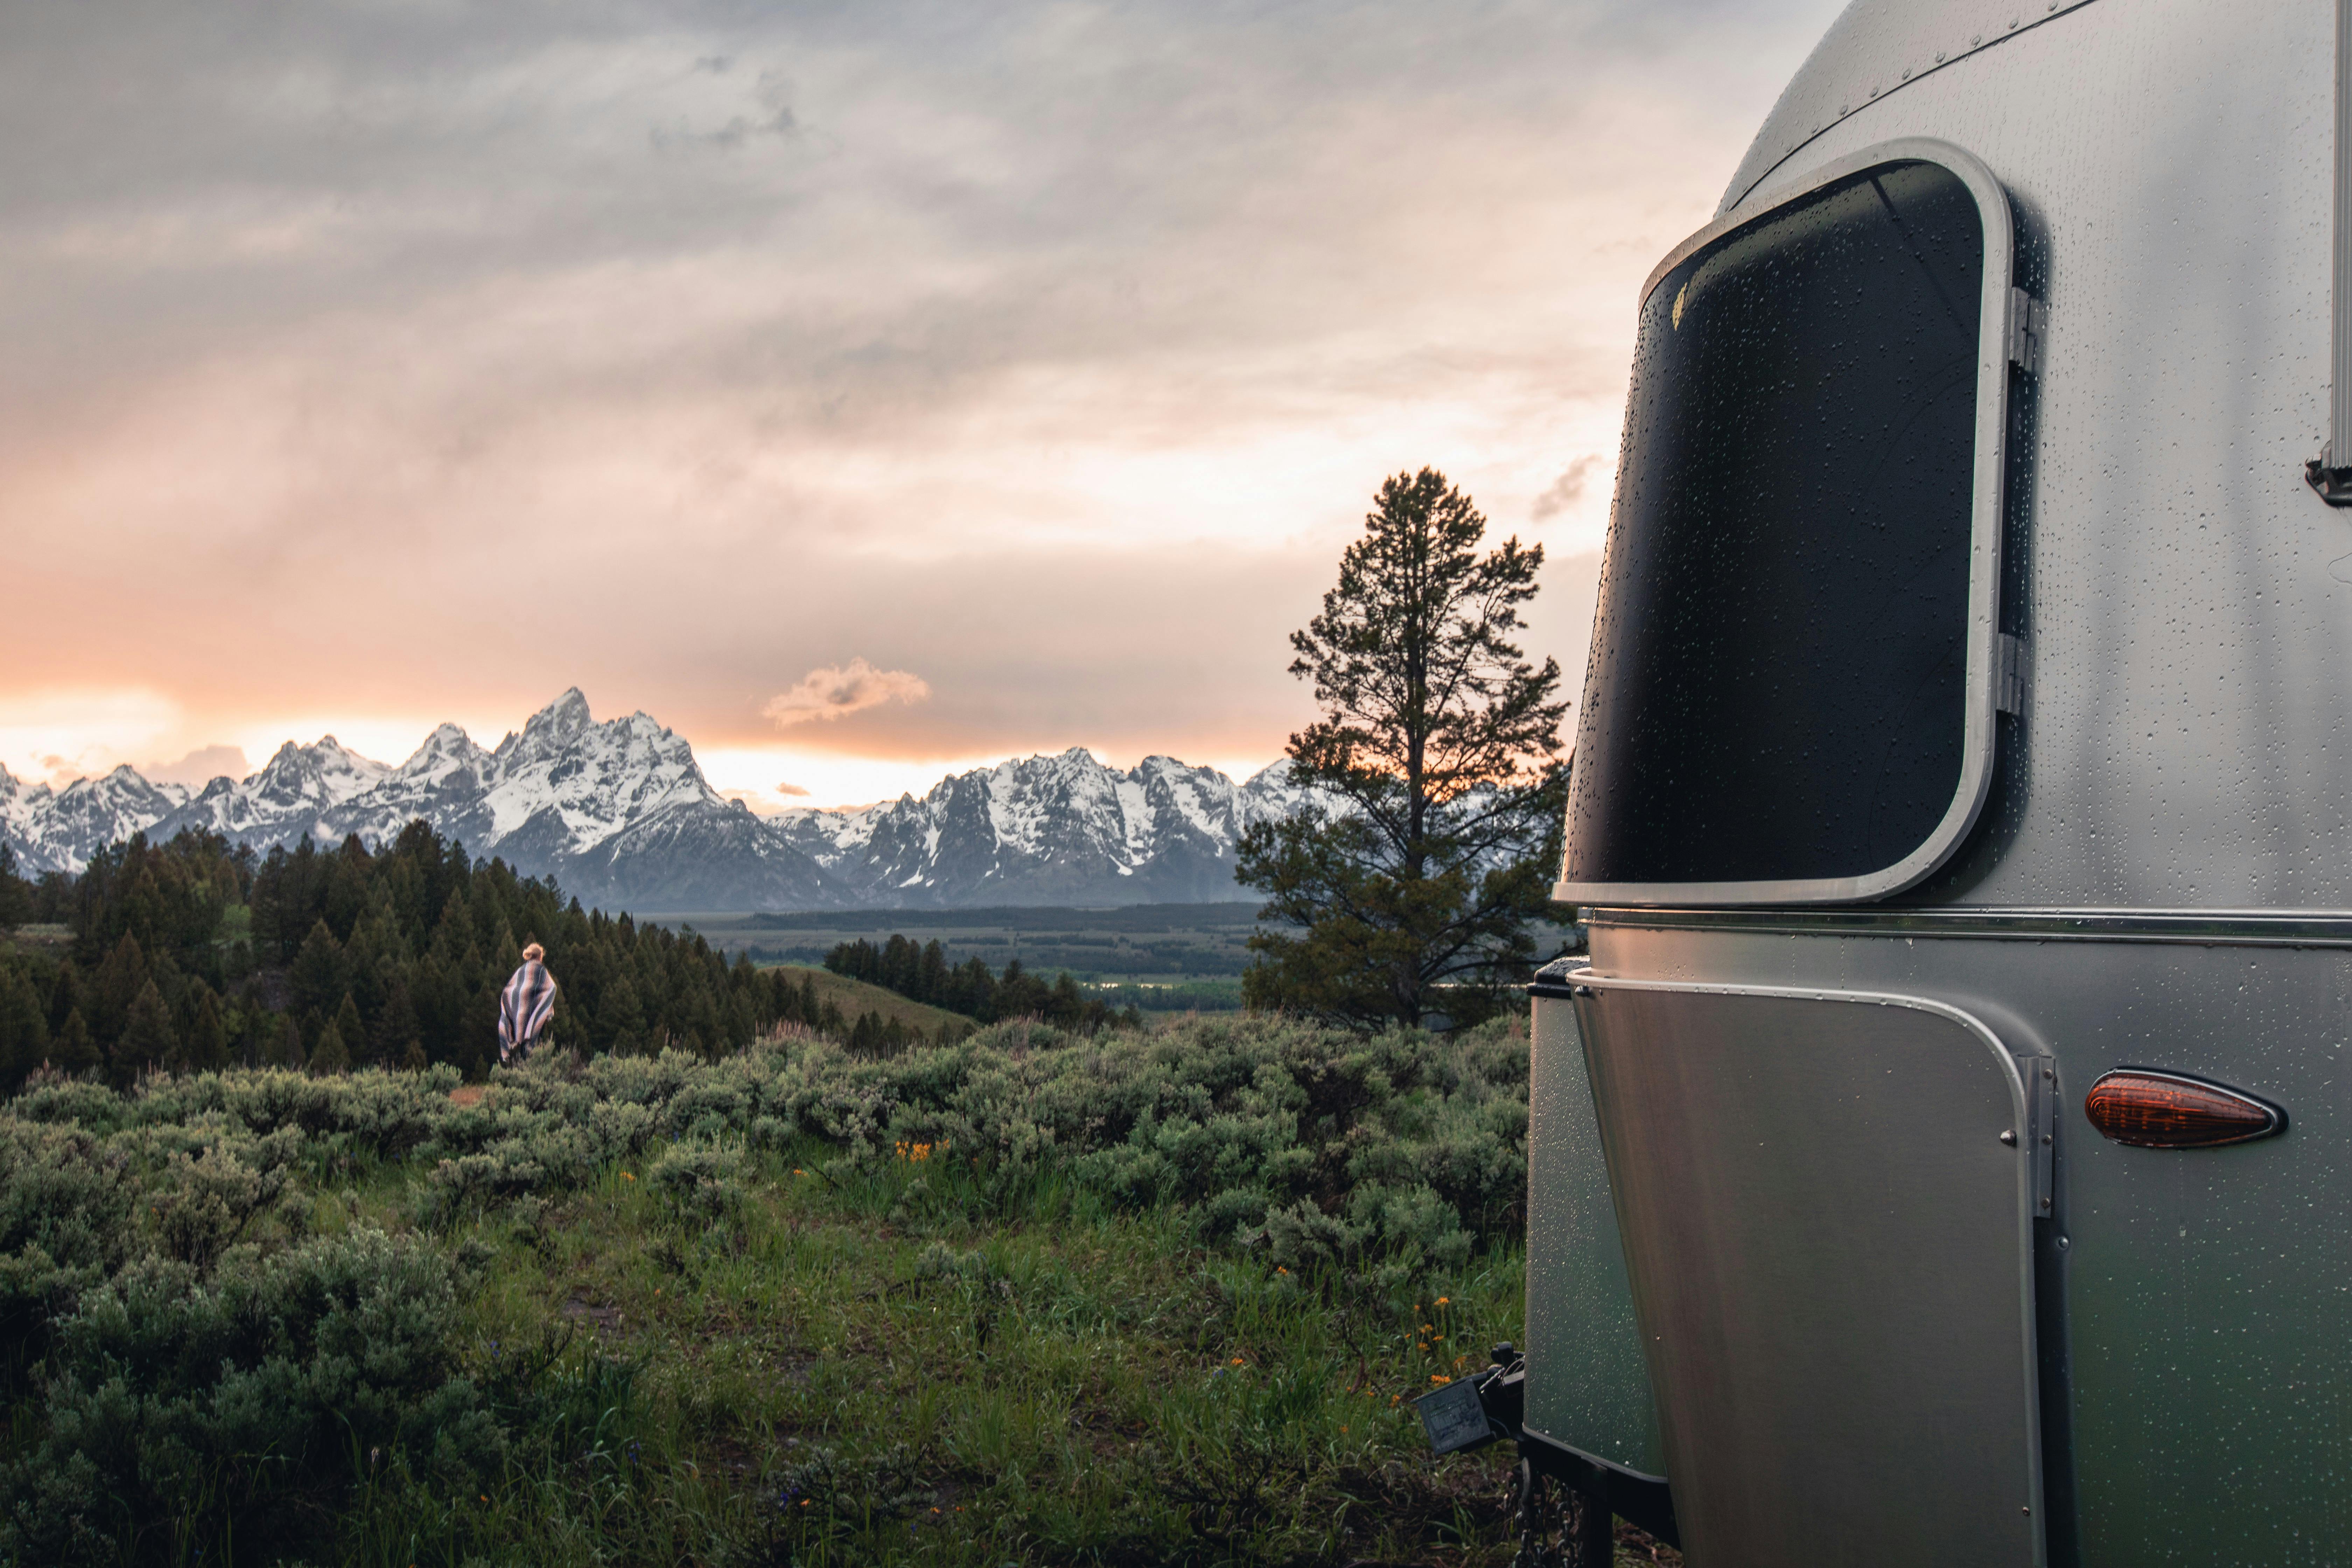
[(2028, 323), (2010, 668), (2334, 484), (2040, 1076)]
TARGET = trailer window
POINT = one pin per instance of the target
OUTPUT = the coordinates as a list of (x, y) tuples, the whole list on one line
[(1778, 687)]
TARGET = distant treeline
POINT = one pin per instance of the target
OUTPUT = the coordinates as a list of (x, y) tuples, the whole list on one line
[(196, 955), (922, 972)]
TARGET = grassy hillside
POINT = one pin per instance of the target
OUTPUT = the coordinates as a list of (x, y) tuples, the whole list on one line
[(855, 997), (1135, 1299)]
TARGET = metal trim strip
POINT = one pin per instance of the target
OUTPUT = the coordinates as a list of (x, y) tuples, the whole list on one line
[(2339, 420), (1978, 719), (2204, 928)]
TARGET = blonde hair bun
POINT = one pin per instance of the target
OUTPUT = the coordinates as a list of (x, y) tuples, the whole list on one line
[(533, 954)]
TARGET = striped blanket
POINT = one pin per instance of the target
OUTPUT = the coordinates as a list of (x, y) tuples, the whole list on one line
[(523, 1009)]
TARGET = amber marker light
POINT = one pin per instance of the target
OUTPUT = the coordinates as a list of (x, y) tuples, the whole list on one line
[(2150, 1110)]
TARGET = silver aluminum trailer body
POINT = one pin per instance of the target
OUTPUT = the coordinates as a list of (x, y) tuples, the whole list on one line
[(1800, 1258)]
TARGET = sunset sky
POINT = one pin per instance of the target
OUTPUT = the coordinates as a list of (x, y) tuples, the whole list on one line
[(864, 390)]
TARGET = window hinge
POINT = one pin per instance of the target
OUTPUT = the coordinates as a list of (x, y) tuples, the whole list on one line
[(2010, 668), (2028, 323)]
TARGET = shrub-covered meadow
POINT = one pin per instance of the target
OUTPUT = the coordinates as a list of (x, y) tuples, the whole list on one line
[(1032, 1297)]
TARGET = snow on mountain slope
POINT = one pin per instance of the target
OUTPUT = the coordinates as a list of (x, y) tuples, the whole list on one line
[(284, 800), (620, 813), (1048, 829), (19, 807), (442, 782), (62, 829), (567, 783)]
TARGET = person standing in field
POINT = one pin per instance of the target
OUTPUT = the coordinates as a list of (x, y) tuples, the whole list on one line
[(525, 1005)]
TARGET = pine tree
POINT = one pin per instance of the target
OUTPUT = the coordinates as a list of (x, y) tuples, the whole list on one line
[(66, 996), (622, 1018), (148, 1039), (396, 1025), (349, 1029), (24, 1033), (285, 1048), (1438, 745), (15, 893), (931, 984), (203, 1044), (115, 986), (413, 1059), (317, 976), (73, 1051), (330, 1058)]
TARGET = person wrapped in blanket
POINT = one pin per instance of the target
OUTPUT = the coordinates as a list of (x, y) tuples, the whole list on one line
[(525, 1005)]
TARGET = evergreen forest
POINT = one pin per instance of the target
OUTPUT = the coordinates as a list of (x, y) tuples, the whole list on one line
[(192, 954), (921, 973)]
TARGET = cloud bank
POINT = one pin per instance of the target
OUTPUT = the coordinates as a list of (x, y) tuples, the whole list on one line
[(372, 366)]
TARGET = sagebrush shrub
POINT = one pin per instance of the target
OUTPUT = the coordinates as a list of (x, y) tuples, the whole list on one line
[(188, 1363), (186, 1412)]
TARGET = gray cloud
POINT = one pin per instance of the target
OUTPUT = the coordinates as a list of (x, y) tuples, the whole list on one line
[(1566, 490), (1050, 350)]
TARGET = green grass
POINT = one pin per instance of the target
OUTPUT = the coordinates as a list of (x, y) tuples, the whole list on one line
[(52, 940), (854, 1373), (1034, 1298), (855, 998)]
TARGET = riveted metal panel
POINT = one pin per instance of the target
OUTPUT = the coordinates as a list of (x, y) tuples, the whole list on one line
[(2193, 1326), (1831, 1247), (1874, 49)]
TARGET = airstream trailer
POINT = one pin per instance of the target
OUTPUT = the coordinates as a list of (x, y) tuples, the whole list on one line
[(1944, 1154)]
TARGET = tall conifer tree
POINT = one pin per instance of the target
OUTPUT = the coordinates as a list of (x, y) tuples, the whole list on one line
[(24, 1033), (73, 1051), (1435, 765), (148, 1039)]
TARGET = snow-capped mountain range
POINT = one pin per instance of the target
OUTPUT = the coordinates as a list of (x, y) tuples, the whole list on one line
[(620, 814)]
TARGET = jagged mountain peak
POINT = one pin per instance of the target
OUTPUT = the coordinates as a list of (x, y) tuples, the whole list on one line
[(1046, 829), (323, 774), (550, 730), (125, 783), (446, 752), (622, 814)]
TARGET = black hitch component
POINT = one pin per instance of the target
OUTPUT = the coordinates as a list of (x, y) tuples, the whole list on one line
[(1491, 1406), (1484, 1407)]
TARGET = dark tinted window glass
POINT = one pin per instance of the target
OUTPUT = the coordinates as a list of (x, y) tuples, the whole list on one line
[(1777, 684)]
